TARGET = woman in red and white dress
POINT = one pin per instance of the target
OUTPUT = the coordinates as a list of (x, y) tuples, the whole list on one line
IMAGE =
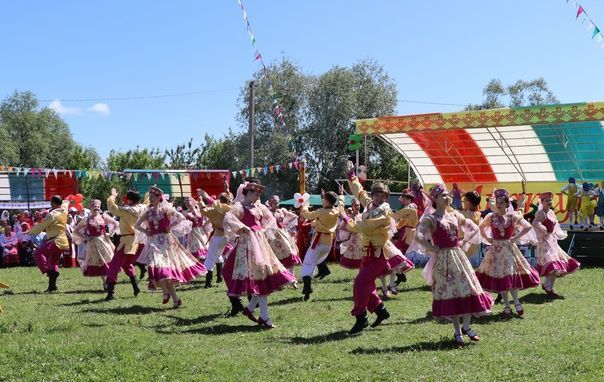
[(552, 261), (281, 241), (93, 234), (10, 242), (504, 269), (350, 246), (168, 262), (198, 239), (456, 292), (251, 267)]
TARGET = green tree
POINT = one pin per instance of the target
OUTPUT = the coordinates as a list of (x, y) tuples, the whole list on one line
[(136, 159), (520, 93), (33, 136)]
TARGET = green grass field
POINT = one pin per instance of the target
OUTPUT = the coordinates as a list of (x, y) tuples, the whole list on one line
[(73, 335)]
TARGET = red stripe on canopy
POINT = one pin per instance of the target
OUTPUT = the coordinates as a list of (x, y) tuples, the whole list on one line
[(455, 155)]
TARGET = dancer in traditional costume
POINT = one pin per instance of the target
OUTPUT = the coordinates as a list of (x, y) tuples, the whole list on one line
[(456, 291), (218, 245), (251, 268), (377, 249), (504, 269), (586, 212), (282, 243), (407, 221), (92, 233), (572, 203), (326, 222), (600, 205), (457, 194), (168, 262), (421, 199), (126, 252), (198, 239), (552, 261), (49, 254), (471, 211), (350, 246)]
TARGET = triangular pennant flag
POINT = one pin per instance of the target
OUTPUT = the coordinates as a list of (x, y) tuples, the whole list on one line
[(17, 171), (290, 164), (70, 173), (296, 164), (156, 176), (265, 168), (579, 11), (258, 56), (136, 175), (596, 32), (56, 173), (149, 175), (277, 167), (26, 170), (129, 176), (46, 172), (78, 173), (234, 173)]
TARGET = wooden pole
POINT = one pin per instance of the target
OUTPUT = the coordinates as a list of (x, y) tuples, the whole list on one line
[(302, 179)]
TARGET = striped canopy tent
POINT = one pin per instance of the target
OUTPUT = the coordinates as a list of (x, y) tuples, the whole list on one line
[(536, 144)]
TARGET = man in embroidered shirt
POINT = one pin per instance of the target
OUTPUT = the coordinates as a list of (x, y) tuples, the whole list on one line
[(326, 222)]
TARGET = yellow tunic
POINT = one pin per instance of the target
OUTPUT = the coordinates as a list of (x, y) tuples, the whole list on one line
[(325, 222), (407, 220), (216, 214), (55, 225), (375, 225), (128, 216)]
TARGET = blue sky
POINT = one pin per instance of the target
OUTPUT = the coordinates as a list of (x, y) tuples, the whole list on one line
[(438, 51)]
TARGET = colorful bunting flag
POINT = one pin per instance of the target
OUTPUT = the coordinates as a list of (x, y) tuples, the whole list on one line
[(591, 26)]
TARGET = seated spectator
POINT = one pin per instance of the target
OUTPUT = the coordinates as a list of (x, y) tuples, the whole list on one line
[(10, 243)]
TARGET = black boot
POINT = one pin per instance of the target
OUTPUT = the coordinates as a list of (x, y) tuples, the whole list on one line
[(110, 290), (143, 271), (236, 306), (382, 314), (218, 273), (323, 270), (208, 283), (401, 278), (135, 288), (52, 281), (307, 290), (360, 324)]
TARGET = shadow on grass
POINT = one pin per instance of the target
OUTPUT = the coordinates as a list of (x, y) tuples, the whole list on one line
[(217, 330), (84, 302), (136, 309), (538, 298), (427, 318), (84, 291), (11, 293), (336, 336), (423, 288), (442, 344), (180, 321), (333, 281), (287, 301), (332, 299)]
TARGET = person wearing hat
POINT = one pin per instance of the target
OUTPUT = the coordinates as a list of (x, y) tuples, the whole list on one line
[(125, 252), (456, 291), (552, 261), (218, 245), (504, 269), (572, 203), (326, 222), (251, 268), (48, 255), (380, 255)]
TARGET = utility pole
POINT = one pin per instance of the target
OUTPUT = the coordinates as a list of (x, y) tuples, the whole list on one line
[(251, 123)]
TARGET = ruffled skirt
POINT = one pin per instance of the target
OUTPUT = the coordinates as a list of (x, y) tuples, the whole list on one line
[(552, 260), (167, 259), (504, 268), (197, 243), (350, 252), (251, 268), (455, 289), (284, 247), (97, 256)]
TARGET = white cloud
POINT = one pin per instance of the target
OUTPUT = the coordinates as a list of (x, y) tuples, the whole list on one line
[(57, 106), (100, 108)]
